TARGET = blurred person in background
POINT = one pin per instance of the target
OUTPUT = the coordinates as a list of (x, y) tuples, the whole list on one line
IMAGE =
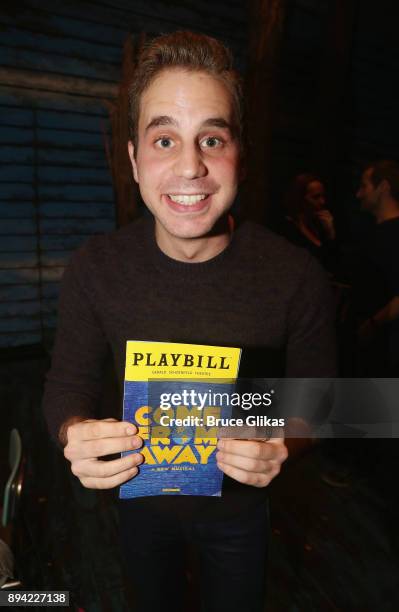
[(308, 222), (377, 285)]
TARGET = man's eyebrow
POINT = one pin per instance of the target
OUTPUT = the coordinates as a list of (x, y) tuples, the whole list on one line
[(217, 122), (161, 120)]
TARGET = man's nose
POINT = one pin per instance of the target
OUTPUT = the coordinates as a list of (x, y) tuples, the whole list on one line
[(189, 163)]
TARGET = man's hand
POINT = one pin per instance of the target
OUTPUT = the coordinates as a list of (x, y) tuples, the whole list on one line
[(327, 221), (252, 462), (90, 439)]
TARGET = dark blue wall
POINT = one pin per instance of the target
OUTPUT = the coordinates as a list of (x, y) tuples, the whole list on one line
[(59, 64)]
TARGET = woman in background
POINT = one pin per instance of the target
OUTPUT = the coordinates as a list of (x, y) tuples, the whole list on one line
[(308, 223)]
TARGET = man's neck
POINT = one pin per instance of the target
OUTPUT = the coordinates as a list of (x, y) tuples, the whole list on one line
[(389, 210), (196, 250)]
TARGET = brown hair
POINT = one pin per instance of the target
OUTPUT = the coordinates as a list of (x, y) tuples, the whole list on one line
[(385, 170), (295, 203), (190, 51)]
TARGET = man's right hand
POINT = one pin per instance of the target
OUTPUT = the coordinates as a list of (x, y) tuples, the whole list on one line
[(88, 440)]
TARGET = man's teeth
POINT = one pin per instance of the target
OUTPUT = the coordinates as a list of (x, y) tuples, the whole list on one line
[(188, 199)]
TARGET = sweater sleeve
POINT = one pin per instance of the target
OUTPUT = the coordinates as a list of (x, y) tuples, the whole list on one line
[(74, 382), (311, 345)]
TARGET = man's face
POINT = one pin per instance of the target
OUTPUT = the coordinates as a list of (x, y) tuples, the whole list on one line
[(187, 162), (316, 195), (368, 194)]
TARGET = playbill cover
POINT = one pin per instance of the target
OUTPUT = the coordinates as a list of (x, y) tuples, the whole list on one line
[(171, 392)]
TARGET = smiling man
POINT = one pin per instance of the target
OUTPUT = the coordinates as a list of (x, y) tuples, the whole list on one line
[(188, 274), (187, 163)]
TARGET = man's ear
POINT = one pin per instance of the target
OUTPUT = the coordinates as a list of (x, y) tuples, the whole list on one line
[(130, 147)]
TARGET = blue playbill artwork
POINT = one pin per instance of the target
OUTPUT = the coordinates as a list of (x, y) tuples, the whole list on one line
[(169, 394)]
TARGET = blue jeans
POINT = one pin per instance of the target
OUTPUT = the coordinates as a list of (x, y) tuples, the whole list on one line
[(229, 559)]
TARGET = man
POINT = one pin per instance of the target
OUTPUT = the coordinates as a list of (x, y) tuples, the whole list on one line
[(379, 297), (187, 275)]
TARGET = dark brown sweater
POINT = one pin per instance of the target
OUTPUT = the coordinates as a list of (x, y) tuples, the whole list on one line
[(261, 293)]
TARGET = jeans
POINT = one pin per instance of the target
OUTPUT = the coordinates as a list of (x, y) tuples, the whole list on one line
[(229, 559)]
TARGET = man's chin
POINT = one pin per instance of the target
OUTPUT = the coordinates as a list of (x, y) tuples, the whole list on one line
[(189, 229)]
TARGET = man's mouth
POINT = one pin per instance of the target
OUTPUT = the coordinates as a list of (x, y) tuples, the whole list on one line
[(187, 199)]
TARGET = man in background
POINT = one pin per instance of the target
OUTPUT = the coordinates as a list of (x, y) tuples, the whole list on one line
[(378, 297)]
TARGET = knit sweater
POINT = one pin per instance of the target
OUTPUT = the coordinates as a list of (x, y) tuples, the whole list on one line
[(261, 293)]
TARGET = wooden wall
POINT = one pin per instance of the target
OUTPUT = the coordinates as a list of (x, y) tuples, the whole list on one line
[(59, 64)]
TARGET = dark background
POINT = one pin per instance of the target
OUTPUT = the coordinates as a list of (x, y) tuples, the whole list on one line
[(322, 84)]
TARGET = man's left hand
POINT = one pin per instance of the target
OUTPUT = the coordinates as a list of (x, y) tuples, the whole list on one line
[(252, 462)]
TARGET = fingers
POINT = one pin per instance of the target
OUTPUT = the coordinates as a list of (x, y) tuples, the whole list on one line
[(273, 449), (95, 474), (251, 462), (90, 439), (91, 449), (254, 479), (104, 469), (94, 429), (245, 463), (111, 481)]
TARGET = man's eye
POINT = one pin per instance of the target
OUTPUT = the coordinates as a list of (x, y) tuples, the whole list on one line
[(164, 143), (211, 142)]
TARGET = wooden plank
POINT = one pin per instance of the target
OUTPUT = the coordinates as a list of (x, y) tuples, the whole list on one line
[(17, 227), (52, 274), (26, 79), (10, 325), (51, 290), (76, 193), (51, 100), (19, 309), (50, 44), (18, 260), (46, 22), (14, 173), (16, 191), (23, 173), (122, 13), (59, 242), (14, 293), (83, 158), (70, 121), (50, 321), (74, 226), (16, 135), (16, 210), (69, 139), (16, 154), (73, 176), (49, 306), (29, 59), (16, 243), (19, 277), (20, 339), (12, 136), (56, 259), (153, 17), (76, 210), (16, 116)]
